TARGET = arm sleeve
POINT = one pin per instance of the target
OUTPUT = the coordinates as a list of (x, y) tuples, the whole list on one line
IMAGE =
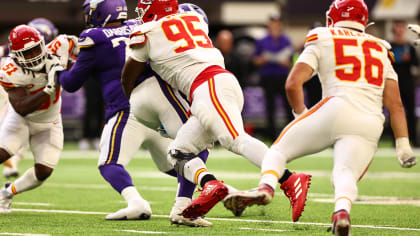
[(310, 56), (139, 53), (389, 71), (73, 79)]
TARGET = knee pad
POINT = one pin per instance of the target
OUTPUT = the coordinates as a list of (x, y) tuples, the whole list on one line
[(179, 166)]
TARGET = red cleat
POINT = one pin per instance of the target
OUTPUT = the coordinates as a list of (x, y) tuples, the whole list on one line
[(341, 223), (238, 201), (213, 192), (296, 189)]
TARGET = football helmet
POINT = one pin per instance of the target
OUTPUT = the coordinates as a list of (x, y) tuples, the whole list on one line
[(151, 10), (27, 46), (98, 13), (45, 27), (185, 7), (348, 13)]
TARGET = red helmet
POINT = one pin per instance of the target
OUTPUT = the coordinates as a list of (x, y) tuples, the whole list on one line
[(348, 13), (150, 10), (27, 46)]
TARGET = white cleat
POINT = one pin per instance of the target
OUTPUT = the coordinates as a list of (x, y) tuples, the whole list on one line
[(5, 200), (139, 211), (177, 218), (10, 172)]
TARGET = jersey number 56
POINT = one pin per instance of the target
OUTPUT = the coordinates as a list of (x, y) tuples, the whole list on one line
[(357, 65)]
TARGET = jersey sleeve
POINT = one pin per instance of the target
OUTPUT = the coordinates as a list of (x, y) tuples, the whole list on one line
[(11, 75), (90, 38), (138, 43), (62, 47), (310, 56), (389, 72)]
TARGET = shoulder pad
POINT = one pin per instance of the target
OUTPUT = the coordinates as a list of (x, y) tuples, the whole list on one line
[(317, 35), (11, 75), (381, 41), (89, 38)]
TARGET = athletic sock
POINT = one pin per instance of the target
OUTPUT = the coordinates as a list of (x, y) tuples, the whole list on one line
[(24, 183), (285, 176)]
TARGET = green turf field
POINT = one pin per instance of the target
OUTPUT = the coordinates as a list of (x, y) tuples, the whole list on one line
[(75, 199)]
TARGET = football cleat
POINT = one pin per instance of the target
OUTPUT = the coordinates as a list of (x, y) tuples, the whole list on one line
[(177, 218), (341, 223), (296, 189), (5, 200), (237, 202), (139, 211), (10, 172), (213, 192)]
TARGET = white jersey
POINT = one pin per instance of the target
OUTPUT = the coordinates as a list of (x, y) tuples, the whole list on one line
[(177, 47), (12, 75), (350, 64)]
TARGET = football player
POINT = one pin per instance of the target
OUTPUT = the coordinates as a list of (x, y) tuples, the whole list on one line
[(180, 51), (49, 32), (34, 111), (357, 80), (102, 56)]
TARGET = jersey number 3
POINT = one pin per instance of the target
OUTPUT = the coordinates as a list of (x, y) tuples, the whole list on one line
[(175, 30), (367, 64)]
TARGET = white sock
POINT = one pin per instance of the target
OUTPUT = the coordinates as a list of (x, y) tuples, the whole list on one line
[(231, 189), (194, 170), (272, 167), (24, 183), (131, 195), (182, 202), (342, 203)]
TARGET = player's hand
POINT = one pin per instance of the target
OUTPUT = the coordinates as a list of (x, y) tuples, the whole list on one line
[(51, 61), (416, 30), (405, 154), (296, 115), (52, 84), (75, 40)]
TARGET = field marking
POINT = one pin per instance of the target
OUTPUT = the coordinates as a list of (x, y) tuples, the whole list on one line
[(390, 201), (141, 232), (214, 153), (222, 219), (267, 230), (24, 234), (32, 204)]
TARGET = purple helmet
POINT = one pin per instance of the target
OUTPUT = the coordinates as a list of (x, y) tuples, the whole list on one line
[(100, 12), (184, 7), (45, 27)]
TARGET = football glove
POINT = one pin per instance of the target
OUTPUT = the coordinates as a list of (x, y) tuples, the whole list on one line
[(405, 155), (300, 114), (416, 30), (52, 66)]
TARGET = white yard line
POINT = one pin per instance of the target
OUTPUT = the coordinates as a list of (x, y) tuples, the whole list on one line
[(415, 202), (266, 230), (24, 234), (141, 232), (32, 204), (223, 219)]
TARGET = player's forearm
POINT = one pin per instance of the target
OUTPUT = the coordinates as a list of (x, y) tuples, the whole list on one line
[(296, 99), (30, 103), (398, 122), (131, 71)]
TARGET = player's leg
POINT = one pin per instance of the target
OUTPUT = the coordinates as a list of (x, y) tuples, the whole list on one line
[(308, 134), (352, 156), (12, 132), (120, 139)]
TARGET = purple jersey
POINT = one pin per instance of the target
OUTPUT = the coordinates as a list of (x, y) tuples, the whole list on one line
[(102, 57)]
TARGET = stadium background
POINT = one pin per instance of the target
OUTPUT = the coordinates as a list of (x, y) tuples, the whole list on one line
[(245, 18)]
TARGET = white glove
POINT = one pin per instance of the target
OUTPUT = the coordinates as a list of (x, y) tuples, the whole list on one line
[(51, 61), (300, 114), (405, 155), (76, 48), (52, 84), (416, 30)]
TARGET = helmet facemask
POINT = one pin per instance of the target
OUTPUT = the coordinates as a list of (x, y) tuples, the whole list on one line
[(34, 63)]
